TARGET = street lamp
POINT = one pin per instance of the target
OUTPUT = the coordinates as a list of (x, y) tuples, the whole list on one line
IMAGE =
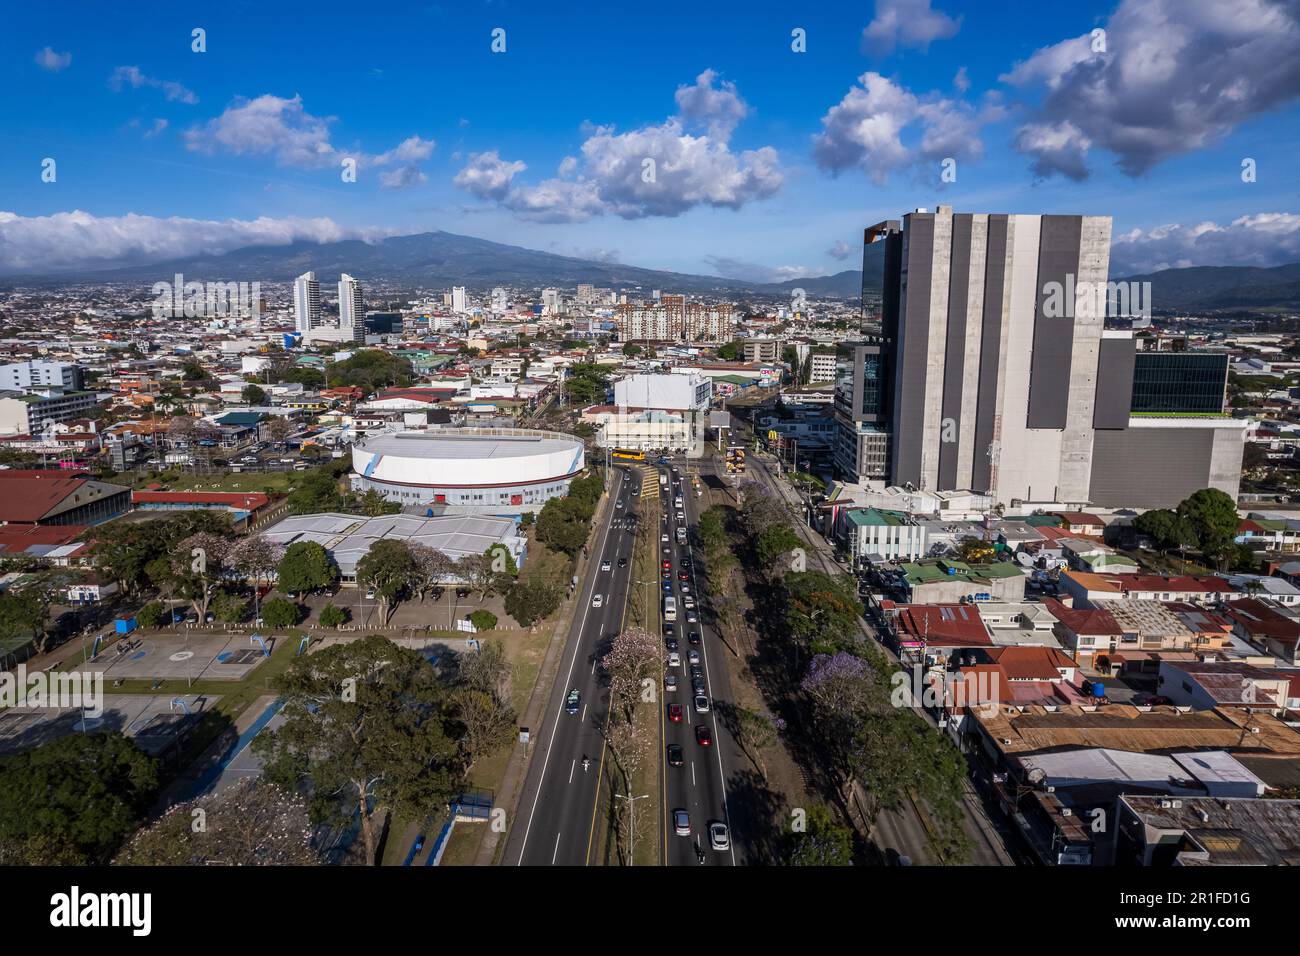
[(631, 805)]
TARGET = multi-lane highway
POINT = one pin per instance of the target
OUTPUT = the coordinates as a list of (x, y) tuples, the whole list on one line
[(698, 784), (557, 816), (560, 809)]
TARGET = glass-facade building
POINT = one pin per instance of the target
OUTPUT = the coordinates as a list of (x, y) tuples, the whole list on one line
[(1179, 382)]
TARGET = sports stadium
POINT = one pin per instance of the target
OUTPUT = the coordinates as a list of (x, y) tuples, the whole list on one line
[(468, 470)]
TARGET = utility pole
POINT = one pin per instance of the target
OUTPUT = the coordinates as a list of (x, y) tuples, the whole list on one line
[(631, 805)]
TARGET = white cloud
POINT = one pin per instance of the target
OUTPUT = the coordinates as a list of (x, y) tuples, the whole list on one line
[(68, 240), (488, 176), (730, 268), (906, 23), (1174, 76), (47, 59), (961, 82), (131, 76), (718, 109), (841, 250), (1263, 239), (657, 170), (281, 127), (865, 129)]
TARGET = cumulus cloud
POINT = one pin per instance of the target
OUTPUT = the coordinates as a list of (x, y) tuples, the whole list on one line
[(961, 82), (1167, 77), (488, 176), (281, 128), (1263, 239), (906, 23), (730, 268), (841, 250), (76, 240), (656, 170), (131, 76), (47, 59), (718, 109), (865, 129)]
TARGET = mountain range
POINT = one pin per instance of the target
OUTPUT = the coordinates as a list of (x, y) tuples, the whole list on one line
[(434, 260)]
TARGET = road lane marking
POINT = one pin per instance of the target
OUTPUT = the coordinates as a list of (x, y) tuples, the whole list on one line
[(556, 851)]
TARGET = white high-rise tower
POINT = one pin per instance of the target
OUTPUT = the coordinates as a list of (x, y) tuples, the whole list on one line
[(306, 302), (352, 315)]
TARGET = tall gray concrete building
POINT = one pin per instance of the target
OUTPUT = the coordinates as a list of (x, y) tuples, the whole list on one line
[(987, 366)]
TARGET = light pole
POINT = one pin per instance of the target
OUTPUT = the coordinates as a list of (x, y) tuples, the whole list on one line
[(631, 806)]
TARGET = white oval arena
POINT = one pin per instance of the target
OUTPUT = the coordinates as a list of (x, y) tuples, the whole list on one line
[(474, 469)]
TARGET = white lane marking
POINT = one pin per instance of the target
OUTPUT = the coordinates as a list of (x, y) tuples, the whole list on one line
[(556, 851), (584, 714), (573, 766), (573, 660), (692, 773)]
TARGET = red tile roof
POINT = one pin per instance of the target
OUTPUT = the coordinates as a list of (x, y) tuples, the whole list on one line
[(943, 625), (247, 501), (1082, 621)]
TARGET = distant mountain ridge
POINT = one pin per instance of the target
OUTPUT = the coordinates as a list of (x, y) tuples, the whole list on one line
[(435, 259), (440, 259)]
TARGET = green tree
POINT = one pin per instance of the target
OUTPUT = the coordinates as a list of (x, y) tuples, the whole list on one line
[(367, 730), (305, 567), (1214, 516), (483, 619), (822, 842), (22, 614), (389, 570), (532, 600), (631, 349), (774, 541), (332, 615), (731, 352), (74, 799), (278, 613), (229, 607), (151, 615), (315, 492), (253, 395)]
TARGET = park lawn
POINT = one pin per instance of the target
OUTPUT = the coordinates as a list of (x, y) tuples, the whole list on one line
[(462, 845), (272, 482)]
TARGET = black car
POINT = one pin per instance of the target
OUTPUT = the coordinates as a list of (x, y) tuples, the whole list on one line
[(697, 685), (694, 637), (675, 758), (670, 643), (669, 630), (622, 562)]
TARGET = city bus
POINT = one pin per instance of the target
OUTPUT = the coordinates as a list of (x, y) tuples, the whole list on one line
[(628, 454), (670, 608)]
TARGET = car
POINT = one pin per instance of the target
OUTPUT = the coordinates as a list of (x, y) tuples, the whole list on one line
[(597, 600), (674, 659), (719, 838), (701, 704), (703, 736), (667, 565), (693, 656), (622, 562), (668, 587), (370, 594), (697, 672), (688, 602), (663, 539), (670, 643), (697, 685), (665, 575), (681, 518), (682, 576), (605, 566), (666, 549), (572, 702), (692, 617), (670, 683), (669, 629), (693, 638), (682, 822), (675, 713), (686, 587), (619, 503), (675, 755), (626, 476)]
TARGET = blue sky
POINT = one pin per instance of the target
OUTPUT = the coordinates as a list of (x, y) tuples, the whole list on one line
[(768, 162)]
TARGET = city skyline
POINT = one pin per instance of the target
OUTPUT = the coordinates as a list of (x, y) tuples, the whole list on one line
[(767, 160)]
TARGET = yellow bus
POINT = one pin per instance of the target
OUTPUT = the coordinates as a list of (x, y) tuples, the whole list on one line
[(628, 454)]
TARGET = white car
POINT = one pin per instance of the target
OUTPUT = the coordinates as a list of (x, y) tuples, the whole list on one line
[(597, 601), (605, 565), (619, 503), (674, 659), (663, 538), (681, 823), (701, 704), (370, 594), (693, 656), (719, 838)]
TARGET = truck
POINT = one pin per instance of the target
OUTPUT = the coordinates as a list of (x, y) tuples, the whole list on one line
[(670, 608)]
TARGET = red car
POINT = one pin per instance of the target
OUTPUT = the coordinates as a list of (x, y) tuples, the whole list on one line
[(703, 736), (668, 565), (682, 576), (675, 713)]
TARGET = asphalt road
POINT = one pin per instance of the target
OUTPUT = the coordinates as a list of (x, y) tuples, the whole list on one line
[(699, 785), (558, 808)]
